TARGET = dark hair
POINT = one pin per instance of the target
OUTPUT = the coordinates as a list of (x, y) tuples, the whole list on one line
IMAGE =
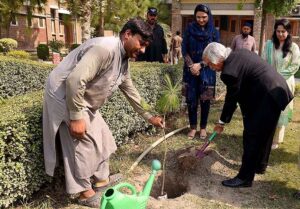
[(138, 26), (288, 41), (201, 8), (178, 32)]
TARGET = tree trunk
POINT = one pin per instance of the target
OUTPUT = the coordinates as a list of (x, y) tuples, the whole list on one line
[(262, 32), (85, 19), (101, 21)]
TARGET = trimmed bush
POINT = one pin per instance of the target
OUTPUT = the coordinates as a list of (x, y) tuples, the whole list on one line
[(21, 157), (18, 54), (56, 45), (43, 51), (8, 44), (21, 76)]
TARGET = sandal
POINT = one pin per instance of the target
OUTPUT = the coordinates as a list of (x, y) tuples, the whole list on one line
[(203, 134), (92, 202), (192, 133), (113, 180)]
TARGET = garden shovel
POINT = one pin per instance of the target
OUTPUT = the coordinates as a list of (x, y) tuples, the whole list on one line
[(200, 153)]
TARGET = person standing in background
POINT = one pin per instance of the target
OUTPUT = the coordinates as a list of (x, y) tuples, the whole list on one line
[(176, 48), (157, 51), (198, 81), (244, 40), (284, 56)]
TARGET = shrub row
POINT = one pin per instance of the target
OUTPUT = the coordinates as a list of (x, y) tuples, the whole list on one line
[(21, 164), (7, 44), (21, 76)]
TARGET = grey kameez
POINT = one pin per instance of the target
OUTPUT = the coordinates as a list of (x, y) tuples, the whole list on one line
[(76, 89)]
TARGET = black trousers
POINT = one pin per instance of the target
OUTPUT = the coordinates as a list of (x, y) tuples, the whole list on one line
[(259, 130)]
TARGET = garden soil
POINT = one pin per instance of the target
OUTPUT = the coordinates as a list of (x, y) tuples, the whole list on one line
[(190, 181)]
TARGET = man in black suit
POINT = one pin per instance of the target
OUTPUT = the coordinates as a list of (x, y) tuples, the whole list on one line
[(261, 93)]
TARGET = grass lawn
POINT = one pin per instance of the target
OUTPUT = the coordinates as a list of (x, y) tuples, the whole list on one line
[(272, 190)]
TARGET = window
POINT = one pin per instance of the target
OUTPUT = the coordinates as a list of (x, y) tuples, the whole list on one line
[(52, 11), (14, 21), (232, 26), (224, 23), (217, 23), (41, 22), (61, 24), (293, 27)]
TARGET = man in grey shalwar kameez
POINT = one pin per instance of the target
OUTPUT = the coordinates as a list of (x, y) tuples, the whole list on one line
[(74, 91)]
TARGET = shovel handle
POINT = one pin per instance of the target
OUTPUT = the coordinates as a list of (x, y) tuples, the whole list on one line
[(212, 136)]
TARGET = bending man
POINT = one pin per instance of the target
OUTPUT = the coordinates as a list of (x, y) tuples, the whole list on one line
[(262, 94), (75, 90)]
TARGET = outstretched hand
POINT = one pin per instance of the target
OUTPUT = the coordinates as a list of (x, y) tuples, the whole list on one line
[(219, 128), (157, 121)]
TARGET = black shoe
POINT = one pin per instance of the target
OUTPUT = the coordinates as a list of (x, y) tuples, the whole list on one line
[(260, 171), (236, 182)]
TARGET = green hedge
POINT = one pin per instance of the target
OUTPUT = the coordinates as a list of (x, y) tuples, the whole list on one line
[(21, 164), (21, 76)]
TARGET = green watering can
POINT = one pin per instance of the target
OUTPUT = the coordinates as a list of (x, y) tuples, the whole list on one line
[(113, 198)]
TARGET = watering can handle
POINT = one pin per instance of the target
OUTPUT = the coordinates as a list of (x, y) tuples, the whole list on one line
[(126, 185)]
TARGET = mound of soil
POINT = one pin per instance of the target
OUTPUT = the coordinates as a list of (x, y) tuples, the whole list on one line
[(188, 177)]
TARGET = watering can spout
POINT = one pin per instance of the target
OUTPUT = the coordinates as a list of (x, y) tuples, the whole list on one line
[(156, 166)]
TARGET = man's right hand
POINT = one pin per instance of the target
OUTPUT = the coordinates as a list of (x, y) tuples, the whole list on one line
[(219, 128), (77, 128)]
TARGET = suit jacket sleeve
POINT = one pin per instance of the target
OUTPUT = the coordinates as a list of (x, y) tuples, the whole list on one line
[(231, 98)]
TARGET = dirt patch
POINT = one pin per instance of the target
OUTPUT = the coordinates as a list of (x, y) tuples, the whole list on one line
[(193, 178), (175, 186)]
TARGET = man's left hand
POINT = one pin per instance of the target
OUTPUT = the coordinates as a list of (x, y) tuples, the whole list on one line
[(157, 121)]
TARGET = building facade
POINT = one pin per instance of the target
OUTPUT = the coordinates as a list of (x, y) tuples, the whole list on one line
[(53, 23), (229, 17)]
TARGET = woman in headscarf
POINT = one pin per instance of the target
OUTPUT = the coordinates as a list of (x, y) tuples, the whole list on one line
[(199, 80), (284, 56)]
